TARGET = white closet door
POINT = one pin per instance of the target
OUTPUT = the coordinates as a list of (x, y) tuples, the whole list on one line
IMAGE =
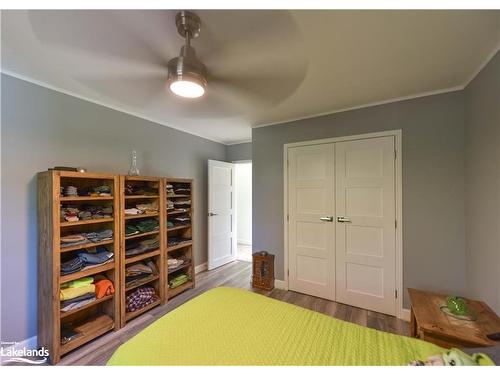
[(311, 233), (221, 214), (365, 225)]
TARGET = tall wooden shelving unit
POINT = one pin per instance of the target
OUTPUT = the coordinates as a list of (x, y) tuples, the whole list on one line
[(101, 315), (184, 248), (158, 256)]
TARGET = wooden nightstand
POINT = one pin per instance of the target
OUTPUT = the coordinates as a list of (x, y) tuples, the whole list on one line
[(431, 324)]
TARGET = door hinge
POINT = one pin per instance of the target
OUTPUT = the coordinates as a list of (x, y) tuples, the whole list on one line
[(395, 154), (396, 293), (395, 223), (287, 217), (288, 272)]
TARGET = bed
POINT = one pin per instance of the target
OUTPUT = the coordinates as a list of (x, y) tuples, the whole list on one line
[(229, 326)]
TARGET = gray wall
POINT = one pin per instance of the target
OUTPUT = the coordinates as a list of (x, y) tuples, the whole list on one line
[(240, 151), (482, 128), (433, 182), (42, 128)]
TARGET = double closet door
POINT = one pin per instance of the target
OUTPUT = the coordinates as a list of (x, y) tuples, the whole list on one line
[(341, 223)]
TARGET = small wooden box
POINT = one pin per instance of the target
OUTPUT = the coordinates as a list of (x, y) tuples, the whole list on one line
[(263, 270)]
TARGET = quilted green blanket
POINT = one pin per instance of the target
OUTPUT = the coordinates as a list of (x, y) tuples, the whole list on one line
[(229, 326)]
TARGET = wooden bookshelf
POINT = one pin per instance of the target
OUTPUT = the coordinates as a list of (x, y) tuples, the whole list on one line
[(183, 249), (94, 318), (127, 200)]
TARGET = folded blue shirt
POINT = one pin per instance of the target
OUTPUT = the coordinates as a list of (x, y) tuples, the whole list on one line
[(100, 255)]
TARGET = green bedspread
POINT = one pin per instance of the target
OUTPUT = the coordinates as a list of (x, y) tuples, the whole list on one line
[(228, 326)]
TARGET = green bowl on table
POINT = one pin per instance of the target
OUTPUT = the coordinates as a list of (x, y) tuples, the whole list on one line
[(457, 305)]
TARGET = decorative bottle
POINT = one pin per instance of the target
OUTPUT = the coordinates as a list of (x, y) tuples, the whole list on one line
[(133, 171)]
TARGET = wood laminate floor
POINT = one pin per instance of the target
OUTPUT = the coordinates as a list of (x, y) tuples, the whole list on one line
[(236, 274)]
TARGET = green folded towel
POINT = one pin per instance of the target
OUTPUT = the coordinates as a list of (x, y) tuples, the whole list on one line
[(179, 280)]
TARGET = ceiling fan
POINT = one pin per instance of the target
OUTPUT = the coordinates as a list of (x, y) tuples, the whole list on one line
[(187, 76), (248, 59)]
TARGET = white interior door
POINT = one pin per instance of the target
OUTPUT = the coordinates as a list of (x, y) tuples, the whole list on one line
[(221, 214), (311, 226), (365, 226)]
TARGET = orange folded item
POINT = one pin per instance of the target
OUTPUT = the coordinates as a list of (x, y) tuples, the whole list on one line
[(103, 288)]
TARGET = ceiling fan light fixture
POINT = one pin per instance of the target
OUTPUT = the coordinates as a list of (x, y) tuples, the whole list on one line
[(187, 88), (187, 76)]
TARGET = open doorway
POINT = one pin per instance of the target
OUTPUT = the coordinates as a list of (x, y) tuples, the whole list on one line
[(244, 210)]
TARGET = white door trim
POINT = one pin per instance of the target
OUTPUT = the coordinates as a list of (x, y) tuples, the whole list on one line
[(398, 134)]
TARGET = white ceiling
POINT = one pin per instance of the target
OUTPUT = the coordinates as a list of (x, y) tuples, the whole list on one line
[(276, 65)]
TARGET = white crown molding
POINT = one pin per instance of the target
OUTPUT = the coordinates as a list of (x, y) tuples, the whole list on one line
[(113, 107), (372, 104)]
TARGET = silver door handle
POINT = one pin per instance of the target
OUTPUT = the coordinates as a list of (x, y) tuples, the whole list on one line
[(326, 218), (342, 219), (212, 214)]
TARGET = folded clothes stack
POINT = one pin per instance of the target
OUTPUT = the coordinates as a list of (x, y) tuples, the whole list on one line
[(73, 240), (136, 248), (140, 298), (148, 208), (174, 263), (93, 256), (132, 211), (77, 288), (72, 265), (73, 213), (136, 274), (86, 259), (148, 225), (175, 240), (170, 204), (99, 191), (103, 235), (95, 212), (83, 238), (142, 226), (71, 191), (181, 220), (69, 213), (170, 224), (143, 208), (138, 271), (140, 190), (170, 190), (182, 190), (178, 280), (78, 293), (184, 203)]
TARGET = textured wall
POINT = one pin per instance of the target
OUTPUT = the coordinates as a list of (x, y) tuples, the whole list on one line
[(43, 128), (433, 182), (482, 168)]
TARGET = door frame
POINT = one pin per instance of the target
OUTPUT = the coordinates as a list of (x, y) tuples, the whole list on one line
[(401, 313)]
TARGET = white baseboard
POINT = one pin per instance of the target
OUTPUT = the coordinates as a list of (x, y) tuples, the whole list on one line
[(405, 314), (244, 242), (200, 268), (280, 284)]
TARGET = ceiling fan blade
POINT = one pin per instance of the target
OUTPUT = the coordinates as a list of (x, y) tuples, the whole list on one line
[(118, 34), (135, 90), (262, 89)]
